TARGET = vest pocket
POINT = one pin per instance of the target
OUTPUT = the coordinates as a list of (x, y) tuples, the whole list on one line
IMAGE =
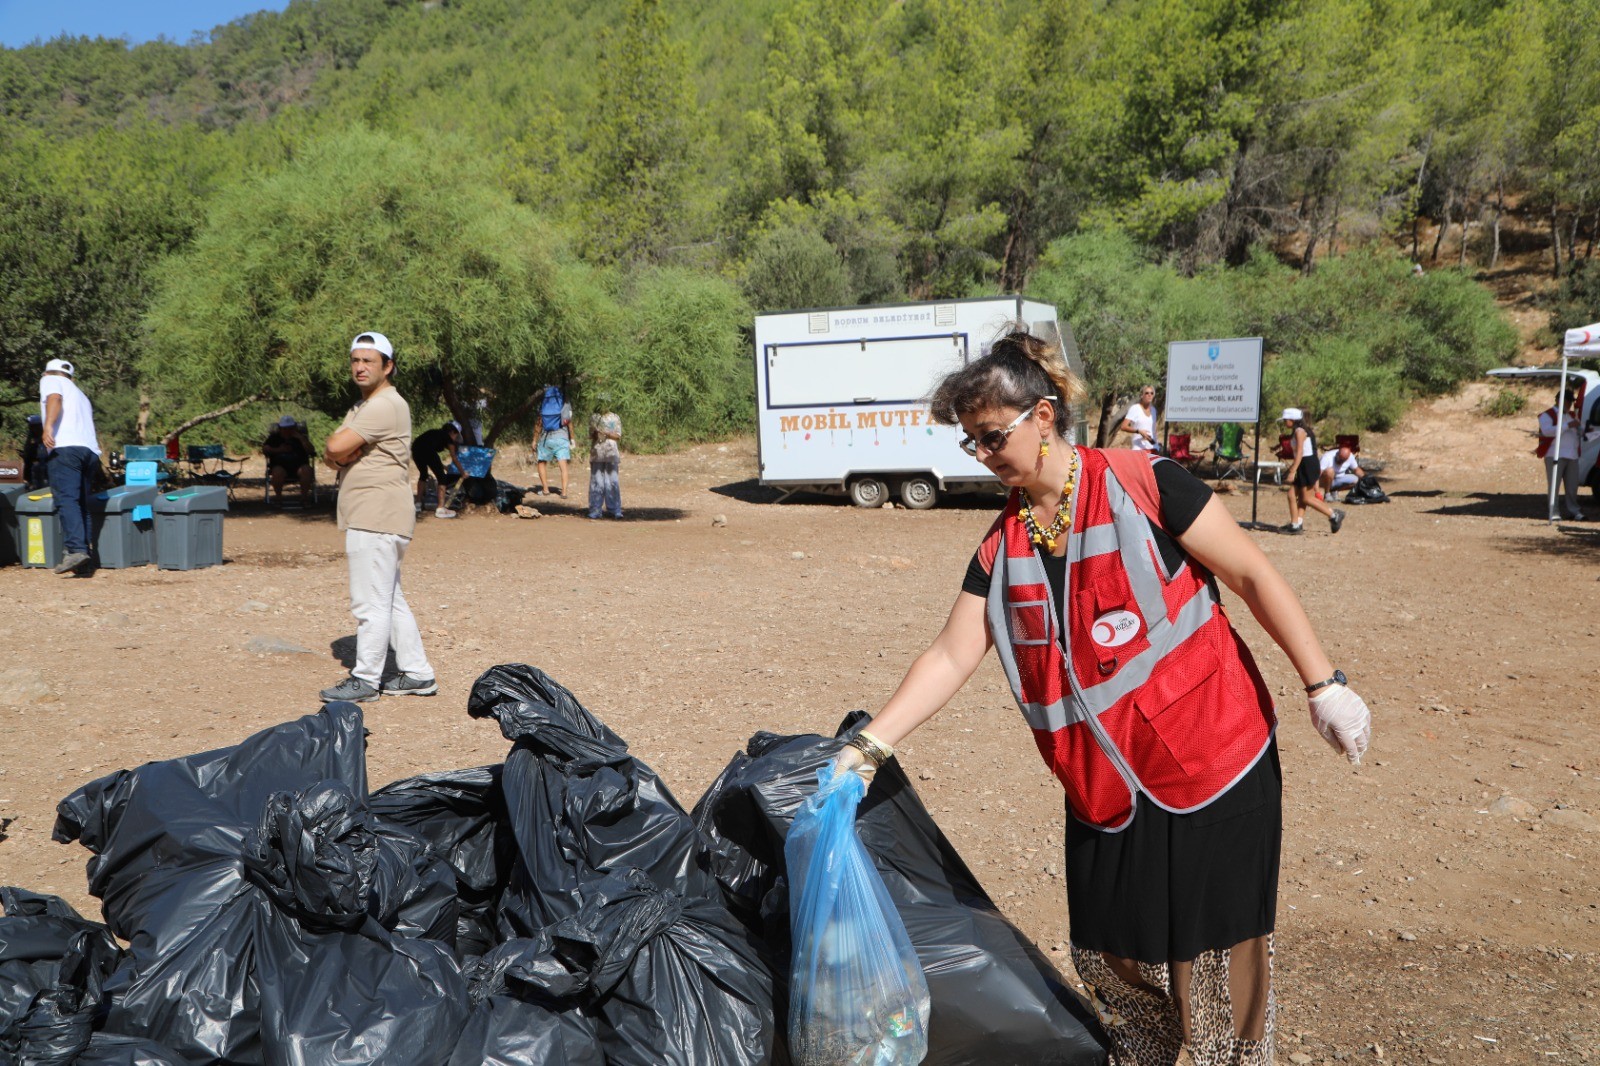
[(1030, 622), (1177, 702)]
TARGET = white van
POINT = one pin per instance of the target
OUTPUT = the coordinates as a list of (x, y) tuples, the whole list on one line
[(841, 395), (1587, 383)]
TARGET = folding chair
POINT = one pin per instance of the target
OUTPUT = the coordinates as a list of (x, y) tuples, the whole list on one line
[(1228, 451), (207, 462), (1178, 449)]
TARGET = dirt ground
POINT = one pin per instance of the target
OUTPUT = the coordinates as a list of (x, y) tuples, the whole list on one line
[(1438, 905)]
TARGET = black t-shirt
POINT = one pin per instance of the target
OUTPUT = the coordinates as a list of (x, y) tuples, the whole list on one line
[(294, 459), (432, 442), (1183, 496)]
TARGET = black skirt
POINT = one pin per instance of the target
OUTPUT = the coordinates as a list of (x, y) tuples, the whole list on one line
[(1171, 886), (1307, 472)]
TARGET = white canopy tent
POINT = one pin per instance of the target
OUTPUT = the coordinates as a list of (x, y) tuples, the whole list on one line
[(1579, 342)]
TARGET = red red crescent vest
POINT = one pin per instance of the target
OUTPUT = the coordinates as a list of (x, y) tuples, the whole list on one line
[(1150, 689)]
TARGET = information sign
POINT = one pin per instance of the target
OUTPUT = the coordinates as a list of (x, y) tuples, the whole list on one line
[(1214, 381)]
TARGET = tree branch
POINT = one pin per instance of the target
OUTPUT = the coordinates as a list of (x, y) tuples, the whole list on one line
[(212, 416)]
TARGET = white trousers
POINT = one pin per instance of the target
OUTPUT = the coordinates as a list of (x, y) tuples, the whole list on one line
[(383, 618)]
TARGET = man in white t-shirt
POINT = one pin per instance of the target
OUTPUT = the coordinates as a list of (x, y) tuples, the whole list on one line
[(1339, 469), (1141, 421), (74, 450)]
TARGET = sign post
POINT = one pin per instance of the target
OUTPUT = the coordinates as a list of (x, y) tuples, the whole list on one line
[(1217, 381)]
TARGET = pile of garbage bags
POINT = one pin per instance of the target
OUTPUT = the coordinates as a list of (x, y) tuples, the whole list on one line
[(560, 908)]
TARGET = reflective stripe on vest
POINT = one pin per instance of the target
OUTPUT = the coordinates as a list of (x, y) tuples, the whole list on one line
[(1110, 654)]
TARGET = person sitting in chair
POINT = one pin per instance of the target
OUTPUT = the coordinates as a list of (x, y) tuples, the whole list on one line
[(289, 453), (1339, 470)]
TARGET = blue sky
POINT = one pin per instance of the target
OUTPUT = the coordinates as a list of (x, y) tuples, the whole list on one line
[(21, 21)]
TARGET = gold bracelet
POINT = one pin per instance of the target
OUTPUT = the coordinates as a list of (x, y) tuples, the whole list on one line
[(872, 747)]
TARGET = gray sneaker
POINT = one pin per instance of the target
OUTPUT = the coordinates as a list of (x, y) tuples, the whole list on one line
[(406, 685), (71, 562), (351, 690), (1336, 520)]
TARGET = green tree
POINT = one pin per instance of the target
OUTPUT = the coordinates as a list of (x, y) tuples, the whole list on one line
[(369, 231), (639, 139)]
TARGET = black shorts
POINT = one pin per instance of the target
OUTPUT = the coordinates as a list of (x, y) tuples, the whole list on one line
[(1306, 474), (428, 462), (287, 463)]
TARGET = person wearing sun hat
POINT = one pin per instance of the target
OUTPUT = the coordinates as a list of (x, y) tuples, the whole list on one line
[(1304, 470), (371, 450), (74, 458)]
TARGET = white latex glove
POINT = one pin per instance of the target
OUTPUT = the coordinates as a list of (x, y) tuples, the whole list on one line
[(1342, 718), (851, 760)]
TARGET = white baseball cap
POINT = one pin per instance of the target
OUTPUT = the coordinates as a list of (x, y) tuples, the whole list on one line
[(59, 364), (376, 341), (1292, 414)]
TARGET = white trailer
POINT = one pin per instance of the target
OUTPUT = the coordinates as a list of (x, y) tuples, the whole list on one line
[(841, 395)]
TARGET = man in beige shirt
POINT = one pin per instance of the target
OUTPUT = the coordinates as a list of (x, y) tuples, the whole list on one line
[(371, 450)]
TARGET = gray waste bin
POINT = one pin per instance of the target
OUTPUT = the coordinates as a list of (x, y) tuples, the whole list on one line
[(189, 527), (10, 539), (124, 526), (38, 529)]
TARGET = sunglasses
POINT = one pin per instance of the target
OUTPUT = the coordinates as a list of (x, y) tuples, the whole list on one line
[(995, 439)]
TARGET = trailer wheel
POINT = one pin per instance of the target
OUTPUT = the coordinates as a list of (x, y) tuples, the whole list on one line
[(868, 492), (918, 493)]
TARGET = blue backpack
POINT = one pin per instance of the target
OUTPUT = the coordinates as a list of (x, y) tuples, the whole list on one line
[(550, 409)]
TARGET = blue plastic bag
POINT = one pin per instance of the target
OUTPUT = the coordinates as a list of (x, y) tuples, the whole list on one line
[(857, 994)]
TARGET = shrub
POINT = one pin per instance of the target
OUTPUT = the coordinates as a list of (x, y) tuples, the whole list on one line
[(683, 371), (1577, 302), (1504, 404), (1338, 384)]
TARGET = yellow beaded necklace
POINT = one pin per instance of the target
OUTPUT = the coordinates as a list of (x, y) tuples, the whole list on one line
[(1046, 537)]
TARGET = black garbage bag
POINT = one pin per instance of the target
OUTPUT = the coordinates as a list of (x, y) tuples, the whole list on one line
[(997, 1000), (53, 968), (506, 1031), (462, 815), (1366, 490), (607, 905), (268, 913)]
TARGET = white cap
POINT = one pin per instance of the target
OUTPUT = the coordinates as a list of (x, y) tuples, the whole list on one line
[(286, 422), (375, 341), (1292, 414), (59, 364)]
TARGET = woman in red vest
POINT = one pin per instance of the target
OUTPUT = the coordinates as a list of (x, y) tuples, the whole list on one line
[(1097, 588)]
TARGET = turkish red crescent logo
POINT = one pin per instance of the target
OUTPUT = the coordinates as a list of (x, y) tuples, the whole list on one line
[(1115, 628)]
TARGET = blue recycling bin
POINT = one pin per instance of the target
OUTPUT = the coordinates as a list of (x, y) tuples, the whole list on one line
[(10, 540), (124, 526), (39, 540), (189, 527)]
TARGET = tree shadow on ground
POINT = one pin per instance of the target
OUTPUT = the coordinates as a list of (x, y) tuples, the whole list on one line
[(1576, 542), (751, 490), (1484, 504)]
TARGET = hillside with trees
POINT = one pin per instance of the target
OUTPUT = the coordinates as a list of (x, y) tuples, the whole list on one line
[(603, 191)]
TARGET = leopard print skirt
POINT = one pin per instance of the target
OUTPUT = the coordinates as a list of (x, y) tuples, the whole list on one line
[(1151, 1026)]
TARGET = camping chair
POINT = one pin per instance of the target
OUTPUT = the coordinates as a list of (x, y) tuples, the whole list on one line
[(1227, 451), (207, 462), (1178, 449)]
